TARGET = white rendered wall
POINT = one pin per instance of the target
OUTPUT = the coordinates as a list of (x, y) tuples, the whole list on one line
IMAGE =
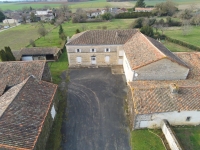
[(127, 69), (174, 118)]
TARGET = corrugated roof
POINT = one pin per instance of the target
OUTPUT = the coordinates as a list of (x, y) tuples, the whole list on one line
[(102, 37)]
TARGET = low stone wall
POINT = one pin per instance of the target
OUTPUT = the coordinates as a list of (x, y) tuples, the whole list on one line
[(169, 135)]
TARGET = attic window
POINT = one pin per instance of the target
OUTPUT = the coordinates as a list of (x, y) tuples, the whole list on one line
[(107, 49), (92, 50), (78, 50), (188, 118), (7, 88)]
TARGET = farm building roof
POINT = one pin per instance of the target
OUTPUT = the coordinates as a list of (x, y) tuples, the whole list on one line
[(156, 97), (102, 37), (40, 51), (141, 50), (192, 59), (23, 109), (15, 72)]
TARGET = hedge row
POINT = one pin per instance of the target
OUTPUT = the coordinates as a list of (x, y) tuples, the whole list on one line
[(181, 43), (133, 15)]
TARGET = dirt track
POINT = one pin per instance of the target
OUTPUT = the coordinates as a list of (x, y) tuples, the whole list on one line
[(95, 115)]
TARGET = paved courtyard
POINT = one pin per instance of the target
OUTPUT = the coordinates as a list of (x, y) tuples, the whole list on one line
[(95, 114)]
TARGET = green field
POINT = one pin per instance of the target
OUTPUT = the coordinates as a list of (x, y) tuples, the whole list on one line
[(175, 47), (93, 4), (145, 140), (189, 137), (52, 38), (191, 38), (19, 37)]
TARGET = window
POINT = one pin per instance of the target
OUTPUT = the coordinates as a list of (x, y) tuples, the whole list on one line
[(188, 118), (92, 50), (78, 50), (107, 49)]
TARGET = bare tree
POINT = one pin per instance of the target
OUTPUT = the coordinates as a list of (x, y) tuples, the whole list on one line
[(107, 7), (196, 19), (42, 31), (186, 27), (64, 12)]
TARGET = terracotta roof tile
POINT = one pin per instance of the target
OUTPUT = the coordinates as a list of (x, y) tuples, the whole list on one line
[(192, 59), (155, 96), (22, 121), (39, 51), (141, 50), (14, 72), (102, 37)]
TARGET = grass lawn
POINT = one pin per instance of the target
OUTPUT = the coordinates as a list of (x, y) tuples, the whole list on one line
[(52, 39), (145, 140), (175, 47), (19, 37), (191, 38), (58, 67), (189, 137), (88, 4)]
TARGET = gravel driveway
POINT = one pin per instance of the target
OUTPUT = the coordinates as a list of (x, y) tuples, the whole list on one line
[(95, 114)]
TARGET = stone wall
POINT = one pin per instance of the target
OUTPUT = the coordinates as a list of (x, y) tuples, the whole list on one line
[(86, 54), (46, 76), (163, 69), (46, 128)]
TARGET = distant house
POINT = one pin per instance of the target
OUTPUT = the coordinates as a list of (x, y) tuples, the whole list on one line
[(140, 9), (27, 105), (40, 53), (11, 21), (45, 15), (93, 13)]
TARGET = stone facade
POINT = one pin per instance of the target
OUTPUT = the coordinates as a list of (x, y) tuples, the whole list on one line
[(105, 55)]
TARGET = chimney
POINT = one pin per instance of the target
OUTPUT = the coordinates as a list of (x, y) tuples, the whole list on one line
[(174, 88)]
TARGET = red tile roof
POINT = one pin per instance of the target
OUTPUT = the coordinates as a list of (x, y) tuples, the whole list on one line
[(141, 50), (22, 121), (192, 59), (156, 97), (13, 73), (102, 37)]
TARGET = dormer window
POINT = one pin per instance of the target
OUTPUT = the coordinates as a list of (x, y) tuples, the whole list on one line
[(78, 50), (107, 49), (92, 50)]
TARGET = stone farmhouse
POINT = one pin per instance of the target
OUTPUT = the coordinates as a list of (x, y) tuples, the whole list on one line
[(140, 9), (161, 84), (28, 105)]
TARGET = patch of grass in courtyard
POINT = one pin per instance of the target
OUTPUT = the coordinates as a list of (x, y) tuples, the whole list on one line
[(58, 67), (145, 140), (175, 47), (189, 137), (191, 38)]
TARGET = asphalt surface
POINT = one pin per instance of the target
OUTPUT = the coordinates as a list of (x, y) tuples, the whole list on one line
[(95, 117)]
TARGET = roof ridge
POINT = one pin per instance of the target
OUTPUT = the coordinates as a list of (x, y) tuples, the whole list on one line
[(152, 44), (21, 85)]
